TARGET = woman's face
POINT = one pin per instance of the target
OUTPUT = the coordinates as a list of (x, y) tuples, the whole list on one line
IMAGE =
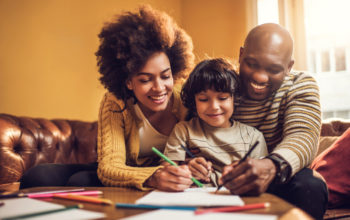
[(153, 84)]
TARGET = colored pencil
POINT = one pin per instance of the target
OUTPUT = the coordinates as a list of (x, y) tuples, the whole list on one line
[(84, 199), (249, 152), (199, 184), (33, 194), (83, 193), (55, 191), (12, 195), (142, 206), (241, 161), (189, 153), (233, 208), (44, 212)]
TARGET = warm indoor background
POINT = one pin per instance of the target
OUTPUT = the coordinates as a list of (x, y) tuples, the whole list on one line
[(47, 62)]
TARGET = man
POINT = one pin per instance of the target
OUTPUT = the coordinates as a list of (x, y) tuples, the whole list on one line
[(284, 106)]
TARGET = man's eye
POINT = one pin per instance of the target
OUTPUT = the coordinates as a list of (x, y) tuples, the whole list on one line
[(274, 71), (252, 65)]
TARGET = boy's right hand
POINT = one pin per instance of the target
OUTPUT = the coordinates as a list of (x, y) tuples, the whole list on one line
[(200, 168)]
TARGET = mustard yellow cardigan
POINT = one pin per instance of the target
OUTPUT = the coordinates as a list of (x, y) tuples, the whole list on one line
[(118, 143)]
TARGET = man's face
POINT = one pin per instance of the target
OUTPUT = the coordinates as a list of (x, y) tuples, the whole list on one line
[(262, 70)]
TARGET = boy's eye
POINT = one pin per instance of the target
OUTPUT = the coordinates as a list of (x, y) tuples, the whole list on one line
[(202, 99), (223, 98)]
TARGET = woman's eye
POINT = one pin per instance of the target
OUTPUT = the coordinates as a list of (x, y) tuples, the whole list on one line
[(144, 80), (166, 76)]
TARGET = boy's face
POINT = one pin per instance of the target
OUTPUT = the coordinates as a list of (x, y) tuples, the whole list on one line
[(215, 108)]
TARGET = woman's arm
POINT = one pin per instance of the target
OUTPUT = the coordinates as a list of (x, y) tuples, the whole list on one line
[(118, 143), (112, 149)]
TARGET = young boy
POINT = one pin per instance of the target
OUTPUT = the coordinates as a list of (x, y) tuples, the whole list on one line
[(213, 138)]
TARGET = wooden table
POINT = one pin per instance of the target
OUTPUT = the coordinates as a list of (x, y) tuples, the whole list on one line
[(279, 207)]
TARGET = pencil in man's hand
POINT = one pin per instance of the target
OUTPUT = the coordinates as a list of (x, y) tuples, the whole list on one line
[(242, 160), (249, 152)]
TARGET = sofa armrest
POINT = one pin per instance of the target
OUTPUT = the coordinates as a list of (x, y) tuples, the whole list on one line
[(26, 142)]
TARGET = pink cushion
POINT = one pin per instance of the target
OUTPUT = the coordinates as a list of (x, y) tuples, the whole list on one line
[(334, 166)]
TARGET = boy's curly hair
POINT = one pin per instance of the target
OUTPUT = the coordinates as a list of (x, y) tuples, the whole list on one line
[(217, 74), (128, 42)]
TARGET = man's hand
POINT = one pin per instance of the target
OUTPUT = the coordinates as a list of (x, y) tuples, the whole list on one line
[(200, 168), (171, 178), (252, 177)]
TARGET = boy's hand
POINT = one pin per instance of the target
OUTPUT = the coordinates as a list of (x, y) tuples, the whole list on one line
[(200, 168)]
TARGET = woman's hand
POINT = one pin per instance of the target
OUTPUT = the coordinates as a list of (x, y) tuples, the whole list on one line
[(171, 178), (200, 168)]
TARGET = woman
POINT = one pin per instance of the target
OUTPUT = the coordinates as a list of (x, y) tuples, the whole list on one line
[(141, 58)]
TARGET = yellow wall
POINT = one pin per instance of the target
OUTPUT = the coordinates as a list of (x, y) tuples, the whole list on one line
[(47, 62), (216, 27)]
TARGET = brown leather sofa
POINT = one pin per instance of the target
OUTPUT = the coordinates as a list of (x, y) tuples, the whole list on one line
[(26, 142)]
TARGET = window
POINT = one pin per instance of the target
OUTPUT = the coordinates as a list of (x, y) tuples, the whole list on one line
[(267, 11), (327, 45), (321, 44), (340, 59)]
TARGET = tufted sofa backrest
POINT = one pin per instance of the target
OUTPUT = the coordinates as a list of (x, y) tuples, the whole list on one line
[(334, 126), (26, 142)]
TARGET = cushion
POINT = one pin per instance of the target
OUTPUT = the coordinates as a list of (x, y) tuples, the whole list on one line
[(334, 165), (325, 143)]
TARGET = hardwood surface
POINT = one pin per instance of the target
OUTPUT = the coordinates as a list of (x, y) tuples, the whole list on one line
[(279, 207)]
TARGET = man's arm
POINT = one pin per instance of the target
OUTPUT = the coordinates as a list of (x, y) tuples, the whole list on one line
[(300, 136), (302, 124)]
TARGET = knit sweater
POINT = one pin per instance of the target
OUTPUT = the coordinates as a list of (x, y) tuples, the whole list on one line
[(118, 143), (290, 119), (220, 146)]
